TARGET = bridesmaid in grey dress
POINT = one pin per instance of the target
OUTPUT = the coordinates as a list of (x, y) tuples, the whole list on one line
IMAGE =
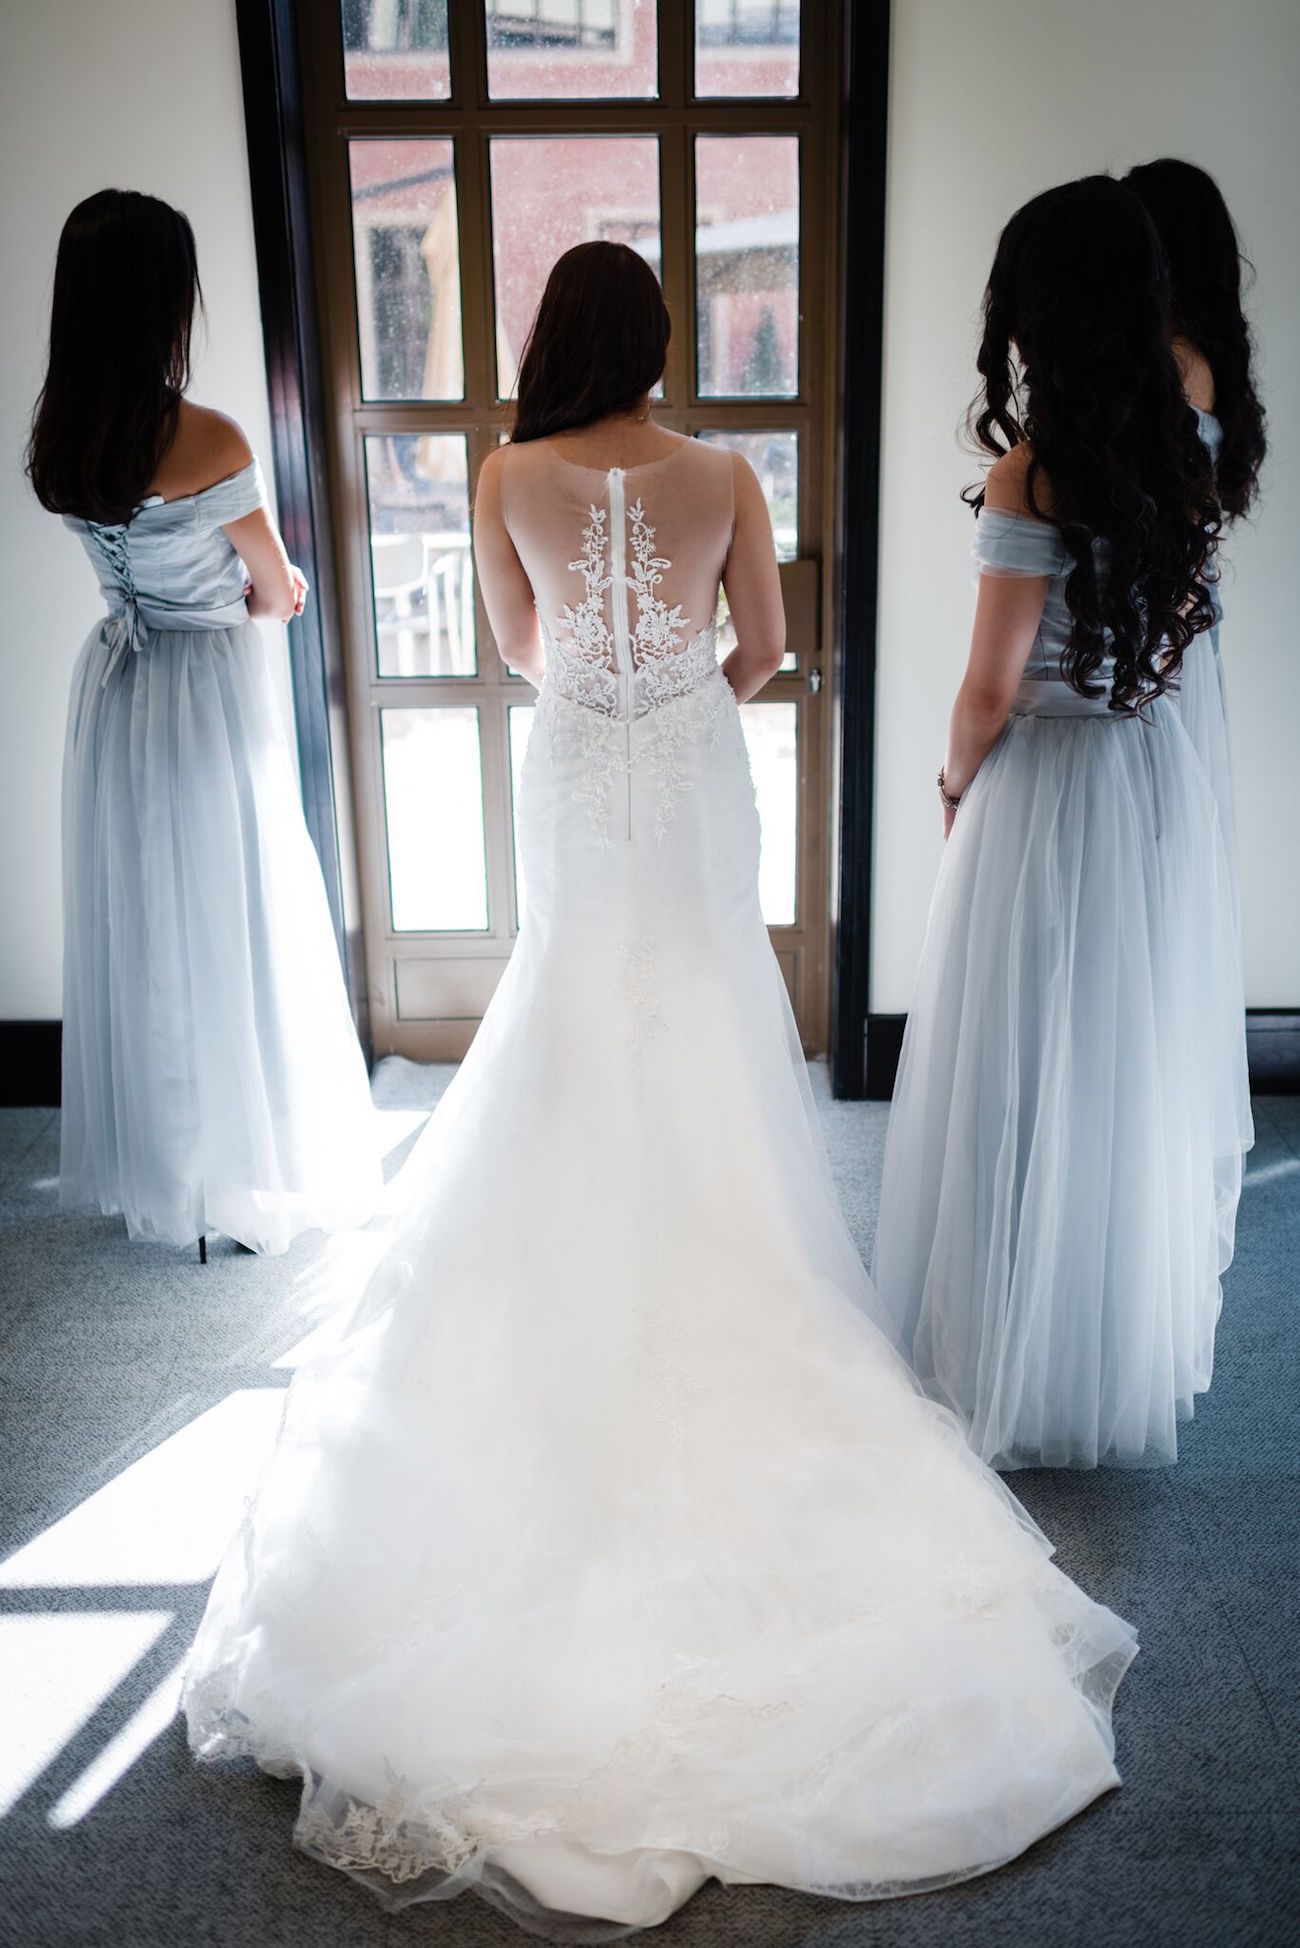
[(1062, 1159), (212, 1078), (1212, 343)]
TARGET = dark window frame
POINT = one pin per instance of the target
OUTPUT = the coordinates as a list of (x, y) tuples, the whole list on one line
[(278, 179), (273, 115)]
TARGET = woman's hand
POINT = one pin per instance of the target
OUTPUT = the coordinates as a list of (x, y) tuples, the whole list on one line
[(259, 606), (948, 816)]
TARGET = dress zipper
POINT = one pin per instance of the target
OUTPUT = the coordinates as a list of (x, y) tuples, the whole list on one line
[(618, 607)]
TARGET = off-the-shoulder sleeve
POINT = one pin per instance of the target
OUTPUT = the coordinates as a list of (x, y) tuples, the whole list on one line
[(1015, 544), (229, 500)]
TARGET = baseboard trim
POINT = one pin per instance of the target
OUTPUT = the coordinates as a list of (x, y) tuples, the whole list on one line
[(884, 1045), (1272, 1052), (31, 1064), (31, 1057)]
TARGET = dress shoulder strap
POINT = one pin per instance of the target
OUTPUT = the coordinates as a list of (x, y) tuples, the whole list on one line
[(1016, 544)]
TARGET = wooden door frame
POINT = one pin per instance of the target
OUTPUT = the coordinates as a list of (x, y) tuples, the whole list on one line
[(851, 272), (855, 1071)]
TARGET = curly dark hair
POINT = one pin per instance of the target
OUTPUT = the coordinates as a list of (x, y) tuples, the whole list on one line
[(597, 344), (1076, 361), (126, 287), (1203, 261)]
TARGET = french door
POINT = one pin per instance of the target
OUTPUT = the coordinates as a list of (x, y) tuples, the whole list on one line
[(454, 152)]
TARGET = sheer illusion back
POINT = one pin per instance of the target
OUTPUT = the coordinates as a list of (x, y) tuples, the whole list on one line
[(625, 566)]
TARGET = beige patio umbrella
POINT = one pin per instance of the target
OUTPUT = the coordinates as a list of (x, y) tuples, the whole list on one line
[(444, 369)]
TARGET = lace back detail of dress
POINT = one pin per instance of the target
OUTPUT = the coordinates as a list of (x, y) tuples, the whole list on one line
[(585, 659)]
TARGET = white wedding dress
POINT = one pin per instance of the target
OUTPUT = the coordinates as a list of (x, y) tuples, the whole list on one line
[(611, 1547)]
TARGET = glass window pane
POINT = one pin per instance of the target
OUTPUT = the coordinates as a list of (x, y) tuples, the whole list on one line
[(775, 459), (407, 258), (772, 734), (747, 265), (433, 803), (421, 563), (521, 729), (572, 50), (746, 47), (551, 192), (396, 50)]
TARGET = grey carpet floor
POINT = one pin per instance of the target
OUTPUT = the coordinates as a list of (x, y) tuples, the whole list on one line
[(113, 1353)]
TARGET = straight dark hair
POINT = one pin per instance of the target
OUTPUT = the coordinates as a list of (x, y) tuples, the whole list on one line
[(1076, 360), (1204, 261), (597, 344), (126, 287)]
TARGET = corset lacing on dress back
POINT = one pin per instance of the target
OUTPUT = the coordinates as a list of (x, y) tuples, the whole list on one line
[(123, 629)]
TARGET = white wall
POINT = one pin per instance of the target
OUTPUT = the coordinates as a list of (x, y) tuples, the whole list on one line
[(991, 101), (139, 94)]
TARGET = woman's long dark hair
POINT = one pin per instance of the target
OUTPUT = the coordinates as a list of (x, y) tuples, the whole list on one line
[(1077, 299), (126, 285), (1203, 260), (598, 342)]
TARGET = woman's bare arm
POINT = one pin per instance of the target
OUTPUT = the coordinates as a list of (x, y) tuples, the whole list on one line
[(208, 448), (507, 592), (276, 588), (1008, 610), (753, 585)]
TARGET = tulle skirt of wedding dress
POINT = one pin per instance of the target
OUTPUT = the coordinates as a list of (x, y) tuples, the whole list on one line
[(610, 1546), (212, 1078), (1065, 1145)]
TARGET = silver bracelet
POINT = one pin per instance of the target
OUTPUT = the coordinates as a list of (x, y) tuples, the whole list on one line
[(950, 804)]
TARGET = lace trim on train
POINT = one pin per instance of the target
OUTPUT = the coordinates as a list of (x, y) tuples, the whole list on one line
[(410, 1835), (413, 1834)]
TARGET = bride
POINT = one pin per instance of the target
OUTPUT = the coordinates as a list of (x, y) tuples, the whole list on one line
[(611, 1547)]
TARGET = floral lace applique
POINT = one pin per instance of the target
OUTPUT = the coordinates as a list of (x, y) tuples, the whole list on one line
[(686, 1715), (634, 987), (588, 735), (668, 1365), (582, 645), (659, 629), (671, 737), (582, 669)]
